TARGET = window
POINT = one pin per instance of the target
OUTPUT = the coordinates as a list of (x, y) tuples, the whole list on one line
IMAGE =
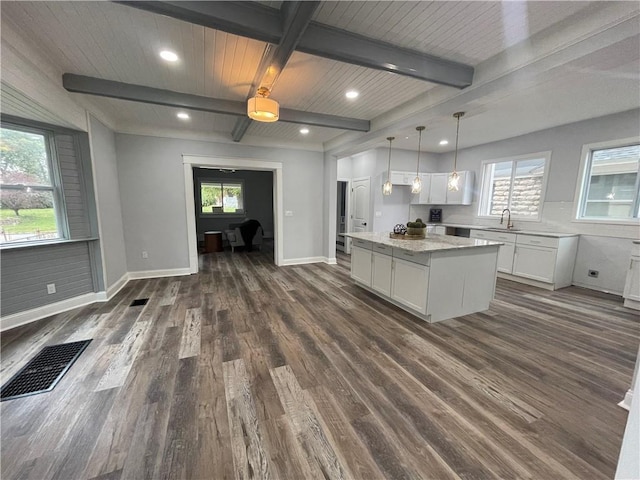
[(517, 184), (609, 189), (28, 193), (222, 198)]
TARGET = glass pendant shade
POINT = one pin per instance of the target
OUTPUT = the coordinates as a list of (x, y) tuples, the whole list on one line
[(453, 185), (387, 188), (416, 185), (454, 182)]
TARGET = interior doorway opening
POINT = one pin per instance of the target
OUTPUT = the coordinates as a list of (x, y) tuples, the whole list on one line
[(342, 216)]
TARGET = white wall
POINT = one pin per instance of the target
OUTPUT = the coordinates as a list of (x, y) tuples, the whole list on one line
[(150, 172), (105, 173), (601, 247)]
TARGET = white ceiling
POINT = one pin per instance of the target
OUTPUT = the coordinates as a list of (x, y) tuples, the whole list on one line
[(116, 42)]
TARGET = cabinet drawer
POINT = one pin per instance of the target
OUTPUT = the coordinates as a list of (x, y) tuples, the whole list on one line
[(380, 248), (537, 241), (361, 243), (416, 257), (495, 236)]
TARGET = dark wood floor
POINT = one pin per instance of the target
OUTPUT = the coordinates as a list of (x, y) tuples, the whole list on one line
[(251, 371)]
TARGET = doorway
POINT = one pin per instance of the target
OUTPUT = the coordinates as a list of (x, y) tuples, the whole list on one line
[(360, 205), (341, 216), (191, 161)]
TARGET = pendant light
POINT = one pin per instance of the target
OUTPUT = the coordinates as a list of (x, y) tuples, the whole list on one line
[(454, 179), (388, 187), (416, 186), (263, 109)]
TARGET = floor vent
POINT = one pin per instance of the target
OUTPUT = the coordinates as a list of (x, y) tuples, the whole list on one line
[(139, 301), (44, 371)]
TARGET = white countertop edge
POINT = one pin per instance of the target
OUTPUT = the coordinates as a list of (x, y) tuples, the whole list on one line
[(431, 243)]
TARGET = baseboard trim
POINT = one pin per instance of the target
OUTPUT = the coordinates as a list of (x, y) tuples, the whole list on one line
[(28, 316), (630, 303), (173, 272), (626, 401), (591, 287), (331, 261), (302, 261)]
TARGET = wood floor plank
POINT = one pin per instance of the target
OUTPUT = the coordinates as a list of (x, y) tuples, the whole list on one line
[(190, 345), (251, 458)]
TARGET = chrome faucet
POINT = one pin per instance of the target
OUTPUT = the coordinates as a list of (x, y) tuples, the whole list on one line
[(509, 224)]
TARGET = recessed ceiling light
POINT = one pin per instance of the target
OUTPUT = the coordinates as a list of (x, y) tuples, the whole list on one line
[(304, 131), (444, 142), (183, 116), (169, 56), (351, 94)]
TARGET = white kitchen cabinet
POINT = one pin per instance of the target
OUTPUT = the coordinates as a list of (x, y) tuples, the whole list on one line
[(440, 230), (506, 251), (361, 265), (438, 190), (402, 178), (632, 284), (409, 284), (536, 263), (464, 195), (381, 273)]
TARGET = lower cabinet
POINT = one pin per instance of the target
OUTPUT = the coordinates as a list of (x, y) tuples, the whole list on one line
[(409, 284), (381, 273), (632, 284), (361, 265), (536, 263)]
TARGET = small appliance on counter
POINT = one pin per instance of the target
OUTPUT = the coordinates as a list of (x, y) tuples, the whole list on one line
[(435, 215)]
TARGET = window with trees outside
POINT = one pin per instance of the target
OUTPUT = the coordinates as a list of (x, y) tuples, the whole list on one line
[(28, 192), (610, 189), (517, 184), (222, 198)]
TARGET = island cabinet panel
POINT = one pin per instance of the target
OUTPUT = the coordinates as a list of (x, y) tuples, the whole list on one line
[(409, 284), (381, 273), (361, 265)]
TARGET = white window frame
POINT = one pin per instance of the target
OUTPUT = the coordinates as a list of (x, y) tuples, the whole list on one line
[(221, 181), (482, 199), (581, 186), (56, 186)]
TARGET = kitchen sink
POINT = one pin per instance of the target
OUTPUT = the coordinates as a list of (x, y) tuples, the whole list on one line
[(498, 229)]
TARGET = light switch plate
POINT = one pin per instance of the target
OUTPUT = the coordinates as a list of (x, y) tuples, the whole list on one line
[(288, 213)]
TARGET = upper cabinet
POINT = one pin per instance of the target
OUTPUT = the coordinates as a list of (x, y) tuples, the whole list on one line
[(435, 192), (402, 178)]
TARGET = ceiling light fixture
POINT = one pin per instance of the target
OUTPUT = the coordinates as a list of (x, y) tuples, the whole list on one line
[(454, 178), (351, 94), (304, 130), (388, 187), (444, 142), (261, 108), (416, 186), (169, 56), (183, 116)]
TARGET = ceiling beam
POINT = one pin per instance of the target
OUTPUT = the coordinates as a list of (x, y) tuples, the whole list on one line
[(169, 98), (295, 18), (262, 23)]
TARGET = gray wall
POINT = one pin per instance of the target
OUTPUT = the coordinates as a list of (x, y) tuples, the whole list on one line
[(151, 177), (73, 267), (604, 247), (108, 201), (258, 200)]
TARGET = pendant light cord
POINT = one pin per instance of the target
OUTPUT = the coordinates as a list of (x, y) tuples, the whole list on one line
[(420, 129), (389, 166), (455, 156)]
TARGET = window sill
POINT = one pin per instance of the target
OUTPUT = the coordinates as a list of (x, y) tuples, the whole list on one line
[(607, 221), (44, 243)]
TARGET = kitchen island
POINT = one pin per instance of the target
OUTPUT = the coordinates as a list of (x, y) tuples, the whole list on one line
[(435, 279)]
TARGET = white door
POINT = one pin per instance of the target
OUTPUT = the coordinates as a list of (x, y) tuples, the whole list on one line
[(505, 257), (360, 199), (537, 263)]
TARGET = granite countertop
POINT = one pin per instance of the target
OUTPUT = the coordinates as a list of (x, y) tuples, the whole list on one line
[(431, 243), (504, 230)]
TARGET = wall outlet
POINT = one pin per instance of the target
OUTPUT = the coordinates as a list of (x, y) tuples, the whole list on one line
[(378, 214), (594, 273), (51, 288), (288, 213), (145, 254)]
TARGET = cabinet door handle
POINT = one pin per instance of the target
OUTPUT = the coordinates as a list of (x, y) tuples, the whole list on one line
[(534, 241)]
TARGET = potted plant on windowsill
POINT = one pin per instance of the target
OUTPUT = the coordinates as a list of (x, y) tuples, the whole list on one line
[(417, 228)]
